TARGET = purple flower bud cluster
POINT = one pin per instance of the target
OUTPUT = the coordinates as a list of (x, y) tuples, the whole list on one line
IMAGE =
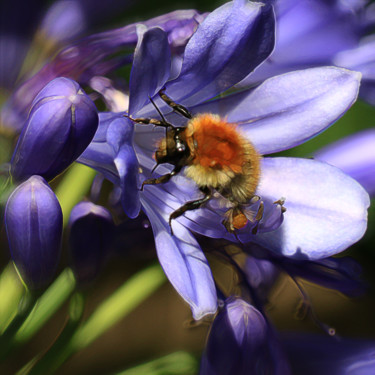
[(61, 123)]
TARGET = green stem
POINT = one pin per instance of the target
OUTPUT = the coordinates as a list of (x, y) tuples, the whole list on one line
[(47, 364), (119, 304), (71, 190), (178, 363), (113, 309), (11, 291), (25, 306), (47, 305)]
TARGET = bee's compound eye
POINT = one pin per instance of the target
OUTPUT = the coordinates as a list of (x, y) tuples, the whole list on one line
[(180, 147)]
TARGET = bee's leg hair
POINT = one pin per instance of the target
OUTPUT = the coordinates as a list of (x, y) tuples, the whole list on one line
[(161, 179), (191, 205), (175, 106)]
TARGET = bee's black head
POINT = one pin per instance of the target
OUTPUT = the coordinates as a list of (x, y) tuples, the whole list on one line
[(173, 149)]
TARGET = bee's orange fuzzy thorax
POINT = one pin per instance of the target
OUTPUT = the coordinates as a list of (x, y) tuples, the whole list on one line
[(216, 143)]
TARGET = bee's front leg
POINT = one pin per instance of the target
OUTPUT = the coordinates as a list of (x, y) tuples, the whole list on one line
[(161, 179)]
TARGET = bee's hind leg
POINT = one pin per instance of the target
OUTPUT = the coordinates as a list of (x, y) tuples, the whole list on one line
[(191, 205)]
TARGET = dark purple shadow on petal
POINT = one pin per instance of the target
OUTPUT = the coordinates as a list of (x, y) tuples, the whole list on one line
[(231, 42), (342, 274), (151, 66), (313, 354), (91, 232)]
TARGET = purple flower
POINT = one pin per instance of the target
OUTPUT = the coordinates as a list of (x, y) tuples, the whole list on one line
[(263, 267), (312, 354), (355, 155), (16, 30), (61, 124), (241, 342), (33, 221), (96, 55), (91, 229), (112, 153), (63, 21), (361, 58), (317, 33), (326, 209)]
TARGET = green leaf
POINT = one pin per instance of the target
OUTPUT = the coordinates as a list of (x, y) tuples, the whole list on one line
[(178, 363)]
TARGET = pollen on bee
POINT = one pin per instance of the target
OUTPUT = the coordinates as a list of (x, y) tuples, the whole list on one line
[(239, 221)]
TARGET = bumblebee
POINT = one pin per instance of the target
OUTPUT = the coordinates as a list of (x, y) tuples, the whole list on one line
[(217, 158)]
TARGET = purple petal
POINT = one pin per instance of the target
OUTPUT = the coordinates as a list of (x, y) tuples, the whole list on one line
[(289, 109), (207, 220), (241, 342), (312, 354), (231, 42), (63, 21), (120, 137), (151, 67), (61, 124), (355, 155), (115, 100), (310, 33), (326, 209), (342, 274), (93, 56), (313, 31), (261, 275), (91, 231), (183, 262), (112, 154), (361, 59)]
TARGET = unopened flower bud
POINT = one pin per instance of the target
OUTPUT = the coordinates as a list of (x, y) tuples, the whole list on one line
[(241, 342), (33, 221), (91, 230), (61, 124)]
